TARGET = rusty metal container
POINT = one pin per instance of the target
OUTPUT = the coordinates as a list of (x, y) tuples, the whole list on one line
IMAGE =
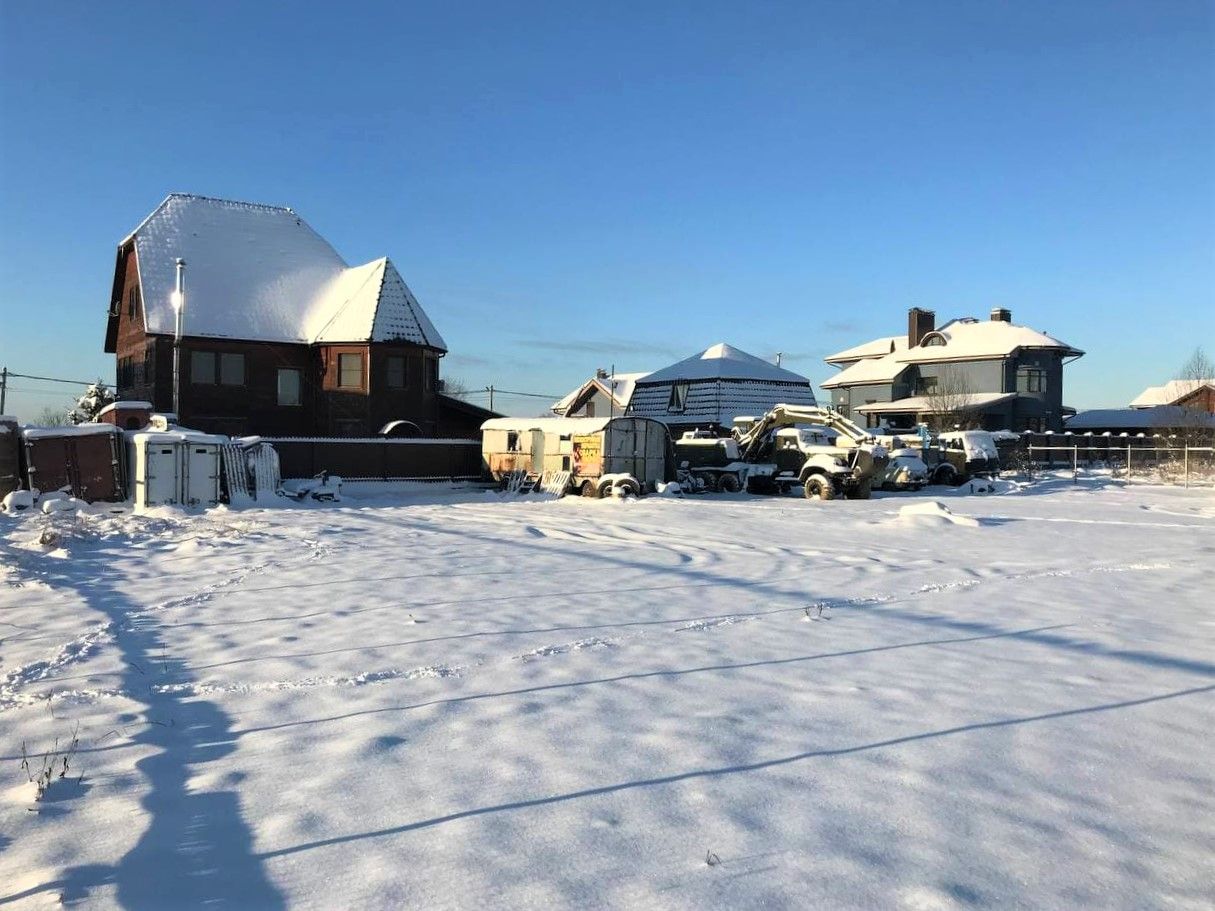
[(85, 460)]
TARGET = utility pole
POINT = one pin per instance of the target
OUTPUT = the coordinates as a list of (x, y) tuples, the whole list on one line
[(179, 309), (490, 389), (612, 394), (3, 388)]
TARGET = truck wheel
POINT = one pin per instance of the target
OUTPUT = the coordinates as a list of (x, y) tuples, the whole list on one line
[(587, 489), (728, 483), (604, 490), (820, 487), (629, 488), (709, 481), (864, 490), (947, 475)]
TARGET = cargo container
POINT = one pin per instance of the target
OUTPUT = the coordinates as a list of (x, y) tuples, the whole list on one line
[(84, 460)]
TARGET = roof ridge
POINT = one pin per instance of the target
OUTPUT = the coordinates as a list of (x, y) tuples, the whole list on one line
[(409, 302), (355, 293)]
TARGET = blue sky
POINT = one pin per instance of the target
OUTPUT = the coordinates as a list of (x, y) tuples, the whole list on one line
[(567, 186)]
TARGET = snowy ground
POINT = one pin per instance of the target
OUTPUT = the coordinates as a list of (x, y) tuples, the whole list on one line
[(464, 702)]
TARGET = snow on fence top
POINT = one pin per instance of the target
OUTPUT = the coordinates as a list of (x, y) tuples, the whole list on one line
[(80, 430), (395, 441)]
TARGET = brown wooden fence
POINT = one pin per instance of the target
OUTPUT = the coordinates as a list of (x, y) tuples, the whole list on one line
[(378, 459)]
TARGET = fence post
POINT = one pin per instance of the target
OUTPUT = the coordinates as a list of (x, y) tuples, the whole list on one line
[(1128, 463), (1075, 463), (1187, 466)]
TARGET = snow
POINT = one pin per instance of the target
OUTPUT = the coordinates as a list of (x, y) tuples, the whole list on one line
[(924, 403), (126, 405), (1145, 418), (561, 426), (722, 361), (619, 386), (77, 430), (867, 370), (1169, 393), (261, 272), (879, 347), (971, 338), (466, 700)]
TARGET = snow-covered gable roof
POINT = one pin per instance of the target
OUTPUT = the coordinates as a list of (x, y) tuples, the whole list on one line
[(261, 273), (619, 387), (874, 349), (970, 339), (1169, 393), (926, 405), (722, 361)]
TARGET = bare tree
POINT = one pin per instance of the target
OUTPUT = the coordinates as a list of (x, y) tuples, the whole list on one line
[(456, 388), (951, 400), (1193, 422), (51, 417)]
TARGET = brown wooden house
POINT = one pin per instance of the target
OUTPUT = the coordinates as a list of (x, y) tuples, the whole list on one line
[(280, 336)]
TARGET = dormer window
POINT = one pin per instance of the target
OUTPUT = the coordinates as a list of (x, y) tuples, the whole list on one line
[(679, 397), (933, 340)]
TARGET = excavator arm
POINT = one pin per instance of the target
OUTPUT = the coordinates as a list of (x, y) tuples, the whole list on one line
[(750, 441)]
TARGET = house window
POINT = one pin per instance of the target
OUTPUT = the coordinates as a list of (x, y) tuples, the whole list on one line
[(232, 369), (133, 301), (512, 441), (679, 397), (149, 363), (1031, 379), (590, 409), (202, 367), (350, 371), (926, 385), (432, 374), (288, 386), (395, 372)]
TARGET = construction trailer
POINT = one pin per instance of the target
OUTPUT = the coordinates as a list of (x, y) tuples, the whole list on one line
[(175, 468), (85, 461), (598, 454)]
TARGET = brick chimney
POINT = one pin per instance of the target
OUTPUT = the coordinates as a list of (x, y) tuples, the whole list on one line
[(1000, 315), (919, 324)]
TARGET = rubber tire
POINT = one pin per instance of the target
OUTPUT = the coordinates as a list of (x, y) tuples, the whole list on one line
[(946, 475), (864, 490), (588, 489), (728, 483), (818, 486), (630, 487), (710, 483), (604, 490)]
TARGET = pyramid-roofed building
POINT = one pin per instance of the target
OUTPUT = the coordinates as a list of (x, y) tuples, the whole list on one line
[(710, 389)]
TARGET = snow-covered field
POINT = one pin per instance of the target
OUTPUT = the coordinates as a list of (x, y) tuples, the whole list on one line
[(461, 701)]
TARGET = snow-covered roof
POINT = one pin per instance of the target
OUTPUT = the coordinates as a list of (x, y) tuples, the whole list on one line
[(261, 273), (619, 387), (924, 404), (876, 348), (969, 339), (869, 370), (722, 361), (1156, 416), (126, 406), (79, 430), (1169, 393)]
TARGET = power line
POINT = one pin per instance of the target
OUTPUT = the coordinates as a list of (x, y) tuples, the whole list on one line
[(54, 379)]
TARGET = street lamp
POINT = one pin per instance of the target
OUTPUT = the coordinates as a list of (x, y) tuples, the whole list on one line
[(178, 299)]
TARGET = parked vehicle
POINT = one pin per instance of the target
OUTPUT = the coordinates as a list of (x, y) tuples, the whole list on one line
[(817, 449), (593, 456), (964, 454), (906, 470)]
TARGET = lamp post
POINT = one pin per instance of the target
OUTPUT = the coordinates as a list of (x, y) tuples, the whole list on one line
[(179, 311)]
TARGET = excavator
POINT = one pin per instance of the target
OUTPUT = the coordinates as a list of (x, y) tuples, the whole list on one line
[(786, 447)]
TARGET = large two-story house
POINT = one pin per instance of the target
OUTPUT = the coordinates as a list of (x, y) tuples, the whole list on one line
[(1001, 375), (280, 336)]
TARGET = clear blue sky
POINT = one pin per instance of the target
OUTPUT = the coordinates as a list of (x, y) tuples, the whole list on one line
[(567, 186)]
